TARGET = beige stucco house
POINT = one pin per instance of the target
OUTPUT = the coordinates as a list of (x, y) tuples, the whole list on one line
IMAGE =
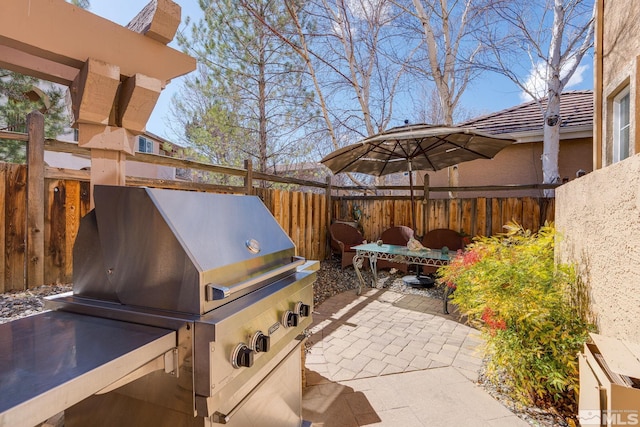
[(598, 215), (521, 163)]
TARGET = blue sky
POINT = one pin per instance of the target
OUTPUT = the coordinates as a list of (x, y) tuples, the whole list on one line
[(487, 94)]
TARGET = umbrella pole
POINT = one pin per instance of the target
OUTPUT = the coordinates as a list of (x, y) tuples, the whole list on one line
[(418, 279), (425, 205), (413, 213)]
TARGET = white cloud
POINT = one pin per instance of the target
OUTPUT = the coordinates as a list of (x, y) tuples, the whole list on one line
[(535, 82), (577, 77), (367, 9), (536, 79), (337, 28), (358, 8), (364, 11)]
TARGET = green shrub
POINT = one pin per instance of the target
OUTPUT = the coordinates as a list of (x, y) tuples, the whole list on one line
[(511, 289)]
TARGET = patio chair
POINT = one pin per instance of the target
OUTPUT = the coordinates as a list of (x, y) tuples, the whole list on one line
[(343, 238), (398, 235), (437, 239)]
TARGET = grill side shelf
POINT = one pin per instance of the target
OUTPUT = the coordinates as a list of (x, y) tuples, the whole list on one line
[(53, 360)]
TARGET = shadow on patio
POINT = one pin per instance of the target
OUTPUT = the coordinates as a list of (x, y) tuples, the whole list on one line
[(389, 359)]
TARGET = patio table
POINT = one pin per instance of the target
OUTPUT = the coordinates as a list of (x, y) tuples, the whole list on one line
[(396, 253)]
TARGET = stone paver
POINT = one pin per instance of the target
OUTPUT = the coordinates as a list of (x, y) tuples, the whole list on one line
[(389, 359)]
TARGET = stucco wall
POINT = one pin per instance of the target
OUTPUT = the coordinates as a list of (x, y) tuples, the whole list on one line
[(518, 164), (620, 69), (598, 221), (621, 43)]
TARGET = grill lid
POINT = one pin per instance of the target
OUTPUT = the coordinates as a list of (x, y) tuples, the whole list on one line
[(164, 248)]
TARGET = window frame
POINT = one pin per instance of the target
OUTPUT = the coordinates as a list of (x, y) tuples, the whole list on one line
[(619, 151), (148, 145)]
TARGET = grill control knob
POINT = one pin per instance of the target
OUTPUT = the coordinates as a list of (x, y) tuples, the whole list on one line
[(303, 310), (260, 342), (242, 356), (289, 319)]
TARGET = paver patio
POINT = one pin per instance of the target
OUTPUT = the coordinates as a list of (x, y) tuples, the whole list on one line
[(389, 359)]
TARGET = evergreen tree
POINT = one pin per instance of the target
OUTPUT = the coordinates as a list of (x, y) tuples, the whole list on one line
[(20, 95), (251, 87), (81, 3)]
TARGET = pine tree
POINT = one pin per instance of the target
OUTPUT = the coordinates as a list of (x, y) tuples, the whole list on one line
[(251, 99), (20, 95)]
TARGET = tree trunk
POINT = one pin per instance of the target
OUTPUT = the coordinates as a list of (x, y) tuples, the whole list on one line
[(551, 150), (571, 37), (262, 107), (552, 119)]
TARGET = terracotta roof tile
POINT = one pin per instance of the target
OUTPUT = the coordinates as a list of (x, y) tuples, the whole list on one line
[(576, 111)]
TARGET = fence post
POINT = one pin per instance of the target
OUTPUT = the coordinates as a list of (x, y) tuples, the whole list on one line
[(35, 200), (248, 181), (328, 195)]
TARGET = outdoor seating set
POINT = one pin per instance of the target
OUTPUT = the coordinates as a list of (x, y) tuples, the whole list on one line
[(392, 251), (406, 148), (344, 238)]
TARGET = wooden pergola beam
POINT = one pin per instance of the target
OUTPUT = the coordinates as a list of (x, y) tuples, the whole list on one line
[(156, 20), (24, 63), (54, 37), (115, 73)]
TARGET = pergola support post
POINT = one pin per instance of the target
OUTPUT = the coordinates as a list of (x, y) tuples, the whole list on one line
[(35, 200)]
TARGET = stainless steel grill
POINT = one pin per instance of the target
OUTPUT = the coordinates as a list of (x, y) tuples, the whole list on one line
[(215, 278)]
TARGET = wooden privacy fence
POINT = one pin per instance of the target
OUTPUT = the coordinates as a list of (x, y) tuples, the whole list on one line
[(472, 217), (65, 202), (41, 208), (301, 215)]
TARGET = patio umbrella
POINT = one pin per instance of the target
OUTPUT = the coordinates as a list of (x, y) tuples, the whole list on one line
[(415, 147)]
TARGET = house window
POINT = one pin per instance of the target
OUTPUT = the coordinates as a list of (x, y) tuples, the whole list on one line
[(145, 145), (621, 124)]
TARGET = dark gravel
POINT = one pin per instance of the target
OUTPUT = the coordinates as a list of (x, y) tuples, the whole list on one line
[(16, 304), (532, 415), (333, 280)]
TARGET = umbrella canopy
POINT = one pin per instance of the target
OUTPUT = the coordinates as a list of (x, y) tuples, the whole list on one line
[(415, 147), (425, 147)]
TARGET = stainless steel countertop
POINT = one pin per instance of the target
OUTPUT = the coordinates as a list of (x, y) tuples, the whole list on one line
[(53, 360)]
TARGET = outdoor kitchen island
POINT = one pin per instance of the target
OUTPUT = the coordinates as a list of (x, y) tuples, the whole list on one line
[(188, 309)]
